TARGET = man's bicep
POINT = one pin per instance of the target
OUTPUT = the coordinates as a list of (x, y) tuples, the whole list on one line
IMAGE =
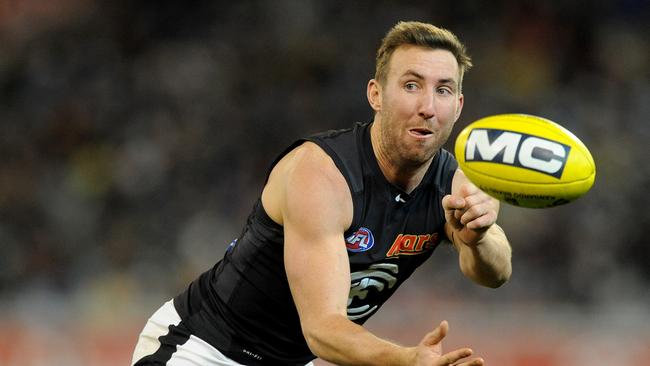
[(319, 275), (317, 269), (316, 211)]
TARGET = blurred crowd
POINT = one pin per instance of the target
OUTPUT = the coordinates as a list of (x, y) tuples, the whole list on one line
[(136, 135)]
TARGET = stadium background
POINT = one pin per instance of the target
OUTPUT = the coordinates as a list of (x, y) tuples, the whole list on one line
[(134, 136)]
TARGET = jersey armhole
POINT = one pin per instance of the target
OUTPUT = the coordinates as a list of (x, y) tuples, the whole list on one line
[(445, 175), (353, 180), (445, 171), (354, 184)]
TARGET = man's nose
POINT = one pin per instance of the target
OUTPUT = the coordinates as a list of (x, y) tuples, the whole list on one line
[(427, 108)]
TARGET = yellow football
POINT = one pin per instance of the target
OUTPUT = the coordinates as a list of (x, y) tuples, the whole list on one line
[(525, 160)]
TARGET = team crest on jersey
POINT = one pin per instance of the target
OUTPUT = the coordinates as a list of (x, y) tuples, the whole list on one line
[(360, 241)]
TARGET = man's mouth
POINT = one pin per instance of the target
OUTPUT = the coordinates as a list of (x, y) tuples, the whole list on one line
[(420, 132)]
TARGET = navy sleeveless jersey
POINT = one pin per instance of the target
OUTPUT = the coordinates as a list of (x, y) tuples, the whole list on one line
[(243, 305)]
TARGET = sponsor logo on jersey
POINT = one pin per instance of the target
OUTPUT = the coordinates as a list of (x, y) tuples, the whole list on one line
[(360, 241), (517, 149), (408, 244)]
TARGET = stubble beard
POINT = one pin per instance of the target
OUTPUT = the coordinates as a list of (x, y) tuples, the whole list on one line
[(409, 155), (401, 154)]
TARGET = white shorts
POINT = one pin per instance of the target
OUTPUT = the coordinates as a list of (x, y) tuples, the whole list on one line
[(193, 352)]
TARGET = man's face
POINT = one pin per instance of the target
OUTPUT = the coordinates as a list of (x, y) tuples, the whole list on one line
[(420, 101)]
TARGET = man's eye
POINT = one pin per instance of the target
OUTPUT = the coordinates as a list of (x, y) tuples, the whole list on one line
[(411, 86), (444, 91)]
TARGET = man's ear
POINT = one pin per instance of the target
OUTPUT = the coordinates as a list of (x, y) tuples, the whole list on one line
[(459, 106), (374, 95)]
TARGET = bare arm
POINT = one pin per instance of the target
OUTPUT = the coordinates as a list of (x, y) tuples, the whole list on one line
[(484, 251), (310, 198)]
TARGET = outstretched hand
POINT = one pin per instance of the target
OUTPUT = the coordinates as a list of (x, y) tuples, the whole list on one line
[(470, 213), (429, 351)]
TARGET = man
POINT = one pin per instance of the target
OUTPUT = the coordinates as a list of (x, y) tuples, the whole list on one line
[(344, 218)]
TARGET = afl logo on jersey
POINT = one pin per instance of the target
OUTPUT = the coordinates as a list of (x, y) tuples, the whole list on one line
[(360, 241)]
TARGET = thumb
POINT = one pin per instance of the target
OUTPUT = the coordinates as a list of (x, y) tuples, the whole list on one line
[(434, 337), (451, 202), (468, 189)]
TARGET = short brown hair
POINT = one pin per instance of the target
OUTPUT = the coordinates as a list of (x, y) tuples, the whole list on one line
[(424, 35)]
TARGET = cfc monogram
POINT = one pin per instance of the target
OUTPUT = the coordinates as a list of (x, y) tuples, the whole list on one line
[(407, 244)]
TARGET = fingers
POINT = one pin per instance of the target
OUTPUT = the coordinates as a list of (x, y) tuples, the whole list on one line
[(471, 207), (479, 213), (472, 362), (468, 189), (456, 357), (452, 205), (450, 202), (460, 199), (434, 337), (453, 357)]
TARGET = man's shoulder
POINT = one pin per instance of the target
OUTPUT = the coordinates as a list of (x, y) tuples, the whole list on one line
[(305, 175), (347, 148), (307, 158)]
